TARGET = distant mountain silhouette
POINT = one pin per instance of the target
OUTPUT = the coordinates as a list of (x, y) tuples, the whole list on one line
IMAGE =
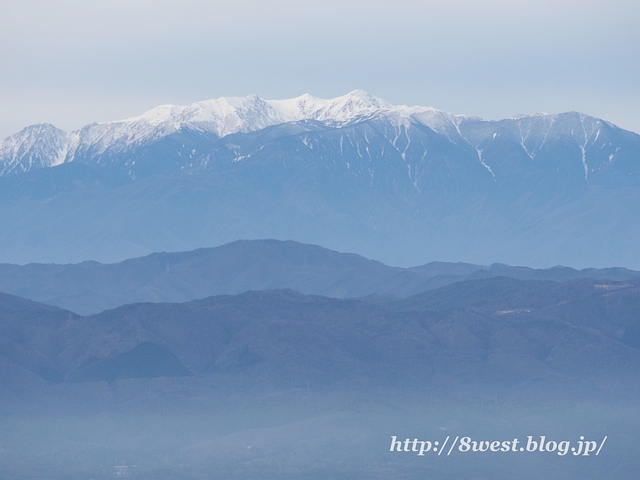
[(91, 287)]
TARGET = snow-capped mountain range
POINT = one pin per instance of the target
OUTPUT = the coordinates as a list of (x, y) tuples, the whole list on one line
[(404, 185), (46, 146)]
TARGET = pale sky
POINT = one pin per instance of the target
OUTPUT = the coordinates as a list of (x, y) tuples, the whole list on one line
[(70, 63)]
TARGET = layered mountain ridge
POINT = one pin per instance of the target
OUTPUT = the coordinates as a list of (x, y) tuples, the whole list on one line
[(259, 381), (235, 383), (91, 287), (403, 185)]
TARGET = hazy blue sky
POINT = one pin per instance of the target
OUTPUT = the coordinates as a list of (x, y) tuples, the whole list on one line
[(72, 62)]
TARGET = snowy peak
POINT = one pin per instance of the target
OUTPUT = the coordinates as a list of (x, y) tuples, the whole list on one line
[(36, 146), (227, 115), (155, 116), (336, 111)]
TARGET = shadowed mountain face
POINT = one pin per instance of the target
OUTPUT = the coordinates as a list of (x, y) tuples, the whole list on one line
[(91, 287), (234, 383), (401, 185)]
